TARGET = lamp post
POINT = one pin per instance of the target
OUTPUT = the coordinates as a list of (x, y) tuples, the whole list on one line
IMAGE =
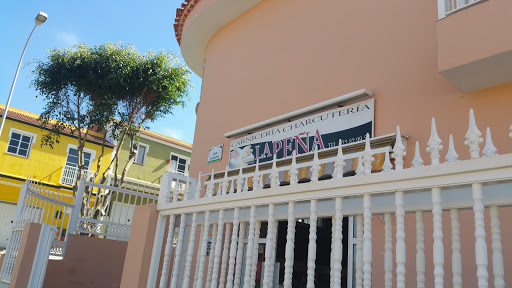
[(40, 19)]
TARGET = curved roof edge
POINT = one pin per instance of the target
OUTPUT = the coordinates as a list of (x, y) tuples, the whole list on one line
[(211, 17)]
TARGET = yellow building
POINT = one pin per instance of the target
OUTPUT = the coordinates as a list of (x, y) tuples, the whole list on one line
[(22, 156)]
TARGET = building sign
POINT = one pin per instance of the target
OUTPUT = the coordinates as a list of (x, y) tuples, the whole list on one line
[(215, 153), (322, 130)]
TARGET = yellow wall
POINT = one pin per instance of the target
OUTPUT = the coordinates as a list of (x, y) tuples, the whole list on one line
[(43, 164)]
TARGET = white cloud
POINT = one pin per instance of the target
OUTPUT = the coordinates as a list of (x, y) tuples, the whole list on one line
[(68, 38), (174, 133)]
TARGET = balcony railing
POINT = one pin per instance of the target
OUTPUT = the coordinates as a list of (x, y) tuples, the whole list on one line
[(448, 7), (70, 174), (236, 210)]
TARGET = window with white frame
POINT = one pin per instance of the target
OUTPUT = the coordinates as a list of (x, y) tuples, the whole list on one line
[(179, 164), (142, 150), (20, 142), (72, 157)]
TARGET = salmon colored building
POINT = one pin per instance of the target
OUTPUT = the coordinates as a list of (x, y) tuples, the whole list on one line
[(291, 79)]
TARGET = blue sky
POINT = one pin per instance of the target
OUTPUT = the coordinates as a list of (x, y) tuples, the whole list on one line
[(145, 24)]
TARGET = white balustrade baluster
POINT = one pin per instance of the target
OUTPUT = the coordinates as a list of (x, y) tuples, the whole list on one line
[(211, 258), (367, 241), (290, 244), (225, 255), (274, 245), (177, 253), (167, 252), (250, 248), (174, 193), (186, 193), (255, 254), (510, 134), (233, 248), (489, 149), (338, 245), (456, 258), (360, 166), (339, 163), (387, 166), (267, 281), (312, 244), (198, 256), (473, 138), (388, 251), (274, 174), (315, 166), (225, 183), (218, 251), (246, 184), (367, 156), (438, 253), (211, 185), (294, 171), (398, 151), (333, 243), (190, 251), (359, 252), (204, 245), (420, 250), (400, 239), (256, 178), (480, 244), (197, 194), (451, 156), (497, 256), (417, 161), (239, 255), (239, 181), (232, 186), (434, 144)]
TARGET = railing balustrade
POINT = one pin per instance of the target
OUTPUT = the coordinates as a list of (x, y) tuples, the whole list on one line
[(448, 7), (448, 185), (70, 174)]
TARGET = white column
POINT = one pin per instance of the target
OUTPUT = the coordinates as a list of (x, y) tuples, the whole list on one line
[(233, 248), (338, 245), (456, 258), (218, 251), (312, 244), (255, 254), (177, 254), (290, 244), (167, 253), (359, 252), (250, 248), (497, 256), (420, 250), (211, 257), (190, 251), (267, 281), (438, 253), (480, 244), (274, 245), (198, 256), (202, 255), (388, 251), (239, 256), (367, 241), (225, 254), (400, 239)]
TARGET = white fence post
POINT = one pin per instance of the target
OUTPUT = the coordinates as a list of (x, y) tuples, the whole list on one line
[(44, 246), (75, 212)]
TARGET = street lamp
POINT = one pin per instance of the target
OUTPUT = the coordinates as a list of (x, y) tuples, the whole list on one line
[(40, 19)]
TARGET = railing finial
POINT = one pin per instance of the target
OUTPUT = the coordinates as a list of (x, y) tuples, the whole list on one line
[(359, 170), (315, 166), (339, 163), (434, 144), (240, 181), (387, 166), (367, 156), (452, 156), (399, 151), (473, 138), (417, 161), (274, 174), (210, 187), (256, 178), (293, 170), (198, 187), (225, 183), (489, 149)]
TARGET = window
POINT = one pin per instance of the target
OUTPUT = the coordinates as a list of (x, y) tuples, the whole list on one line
[(72, 158), (179, 164), (20, 142), (141, 149)]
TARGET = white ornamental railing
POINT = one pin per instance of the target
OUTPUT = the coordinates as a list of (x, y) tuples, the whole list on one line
[(448, 7), (70, 174), (446, 184)]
